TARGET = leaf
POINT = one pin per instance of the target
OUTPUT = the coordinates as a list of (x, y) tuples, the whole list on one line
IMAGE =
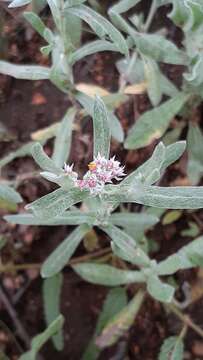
[(140, 220), (55, 203), (193, 230), (136, 89), (62, 254), (9, 194), (187, 14), (91, 48), (102, 133), (51, 300), (107, 275), (18, 3), (195, 150), (39, 340), (127, 246), (46, 133), (159, 48), (25, 72), (153, 123), (43, 160), (88, 103), (121, 322), (152, 77), (92, 90), (171, 217), (159, 290), (100, 25), (172, 349), (39, 26), (177, 197), (62, 144), (116, 300), (131, 69), (23, 151), (71, 217), (119, 8)]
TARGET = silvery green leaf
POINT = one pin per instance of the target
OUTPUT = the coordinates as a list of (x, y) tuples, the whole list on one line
[(167, 87), (195, 151), (71, 217), (121, 322), (23, 151), (102, 135), (159, 290), (25, 72), (8, 193), (42, 159), (172, 349), (127, 246), (38, 25), (62, 142), (51, 301), (88, 103), (62, 254), (91, 48), (115, 301), (107, 275), (187, 14), (39, 340), (192, 231), (195, 77), (177, 197), (131, 69), (100, 25), (55, 7), (139, 220), (152, 76), (159, 48), (70, 3), (173, 153), (56, 202), (124, 5), (18, 3), (152, 124), (119, 8)]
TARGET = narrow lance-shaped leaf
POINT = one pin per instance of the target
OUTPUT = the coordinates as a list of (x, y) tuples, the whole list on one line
[(55, 203), (121, 322), (23, 151), (107, 275), (9, 194), (38, 25), (139, 220), (43, 160), (195, 151), (152, 75), (127, 245), (172, 349), (70, 217), (115, 301), (60, 257), (153, 124), (91, 48), (100, 25), (51, 299), (159, 290), (18, 3), (102, 133), (39, 340), (24, 72), (179, 197), (62, 144)]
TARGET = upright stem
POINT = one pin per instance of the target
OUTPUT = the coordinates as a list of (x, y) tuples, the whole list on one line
[(150, 16)]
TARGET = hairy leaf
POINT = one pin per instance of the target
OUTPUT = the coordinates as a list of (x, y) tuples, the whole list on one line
[(102, 133), (172, 349), (159, 290), (8, 193), (25, 72)]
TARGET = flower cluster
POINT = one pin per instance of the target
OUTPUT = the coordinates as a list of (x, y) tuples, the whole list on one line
[(101, 171)]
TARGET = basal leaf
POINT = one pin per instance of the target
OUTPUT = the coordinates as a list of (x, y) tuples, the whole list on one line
[(51, 299), (100, 25), (159, 290), (107, 275), (153, 123), (24, 72), (62, 254)]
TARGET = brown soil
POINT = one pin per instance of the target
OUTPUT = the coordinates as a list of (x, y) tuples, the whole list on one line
[(28, 106)]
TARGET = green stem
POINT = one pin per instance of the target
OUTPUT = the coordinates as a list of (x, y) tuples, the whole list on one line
[(186, 319), (150, 16)]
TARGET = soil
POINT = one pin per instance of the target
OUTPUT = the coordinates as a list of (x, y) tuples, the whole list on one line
[(27, 106)]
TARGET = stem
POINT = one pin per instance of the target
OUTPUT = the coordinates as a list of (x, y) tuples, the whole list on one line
[(186, 319), (150, 16), (76, 260)]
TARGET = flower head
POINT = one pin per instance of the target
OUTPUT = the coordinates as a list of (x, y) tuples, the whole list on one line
[(101, 171)]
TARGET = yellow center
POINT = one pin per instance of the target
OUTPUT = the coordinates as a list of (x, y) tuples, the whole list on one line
[(92, 166)]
